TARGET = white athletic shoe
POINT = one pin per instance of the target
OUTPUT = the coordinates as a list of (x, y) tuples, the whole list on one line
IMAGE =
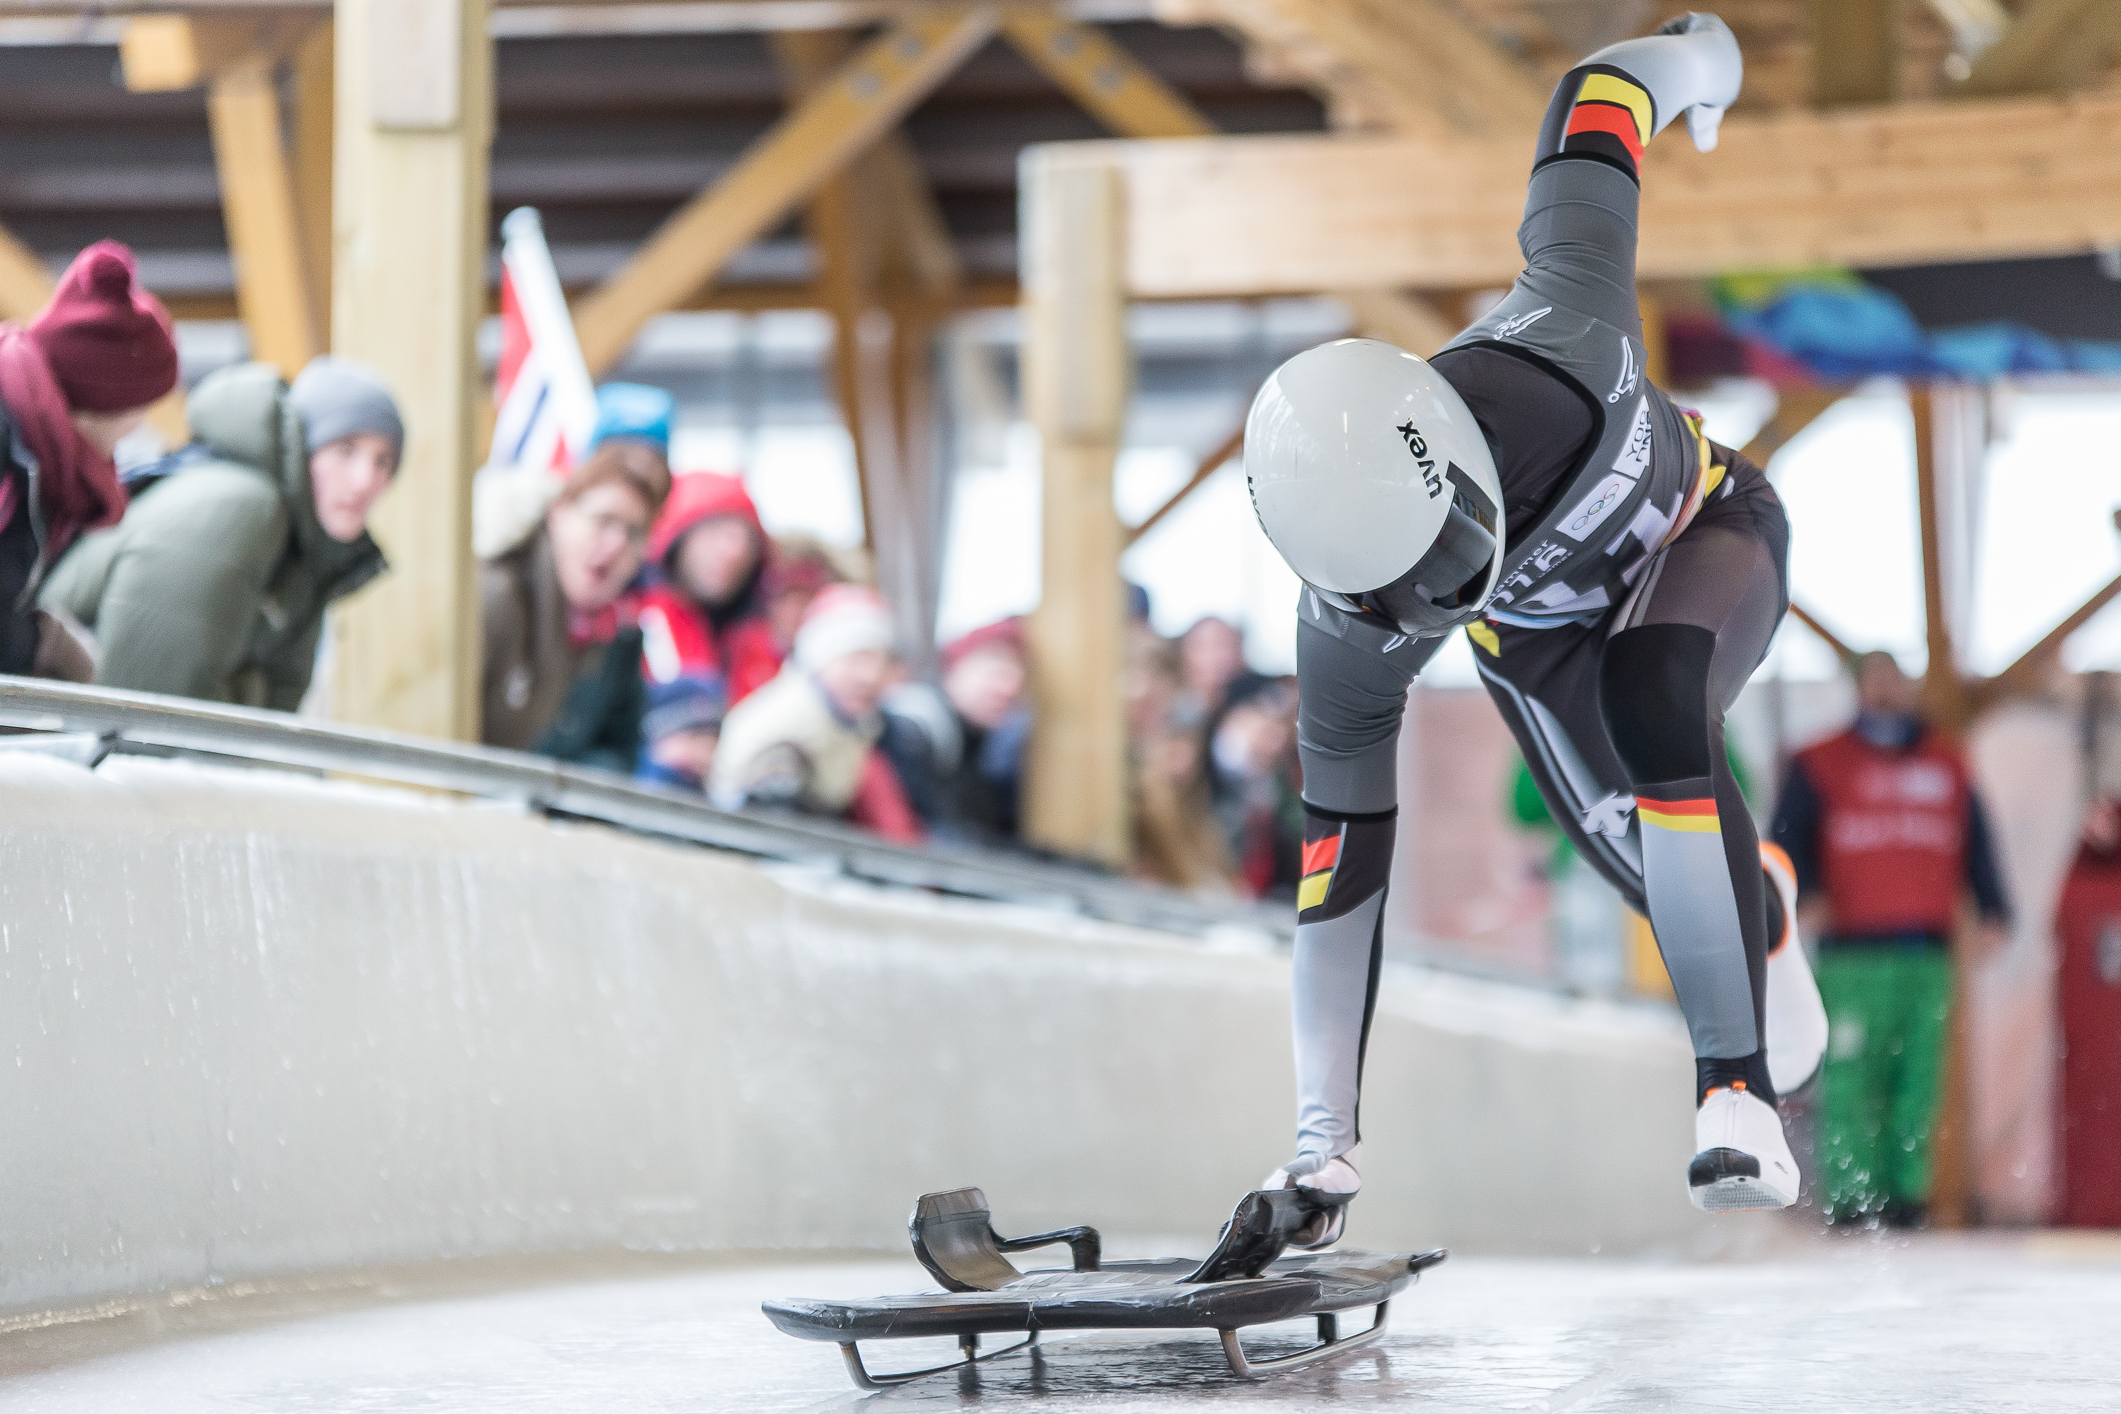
[(1335, 1180), (1741, 1159), (1796, 1017)]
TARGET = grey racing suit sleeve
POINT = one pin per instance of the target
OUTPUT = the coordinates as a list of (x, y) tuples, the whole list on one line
[(1352, 679)]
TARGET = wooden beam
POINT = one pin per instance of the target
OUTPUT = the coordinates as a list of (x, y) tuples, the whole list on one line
[(1076, 387), (314, 123), (1943, 687), (1946, 703), (1907, 183), (1420, 55), (411, 182), (258, 208), (866, 223), (1795, 410), (870, 94), (1826, 635), (979, 292), (25, 285), (1409, 321), (841, 246), (2026, 670), (1855, 51), (1230, 446), (2052, 45), (916, 248), (1122, 93)]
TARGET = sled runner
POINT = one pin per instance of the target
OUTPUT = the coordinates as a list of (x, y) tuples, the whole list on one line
[(1245, 1281)]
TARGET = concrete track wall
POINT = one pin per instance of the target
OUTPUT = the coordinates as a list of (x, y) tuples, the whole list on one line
[(263, 1025)]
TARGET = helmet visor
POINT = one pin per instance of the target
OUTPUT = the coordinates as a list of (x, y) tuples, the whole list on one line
[(1444, 589)]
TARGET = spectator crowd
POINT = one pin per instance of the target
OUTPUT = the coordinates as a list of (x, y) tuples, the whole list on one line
[(632, 620)]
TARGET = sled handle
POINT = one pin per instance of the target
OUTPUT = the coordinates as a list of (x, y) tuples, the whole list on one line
[(1084, 1245)]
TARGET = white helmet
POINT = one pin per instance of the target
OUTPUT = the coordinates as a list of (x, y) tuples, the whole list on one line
[(1372, 479)]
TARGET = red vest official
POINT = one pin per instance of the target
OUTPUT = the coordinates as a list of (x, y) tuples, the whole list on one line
[(1892, 833)]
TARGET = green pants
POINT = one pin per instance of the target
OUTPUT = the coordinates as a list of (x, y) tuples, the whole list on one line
[(1886, 1006)]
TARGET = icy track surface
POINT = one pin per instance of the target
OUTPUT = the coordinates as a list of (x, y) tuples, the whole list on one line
[(1861, 1322)]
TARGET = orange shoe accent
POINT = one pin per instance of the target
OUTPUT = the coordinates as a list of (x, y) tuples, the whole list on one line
[(1776, 863)]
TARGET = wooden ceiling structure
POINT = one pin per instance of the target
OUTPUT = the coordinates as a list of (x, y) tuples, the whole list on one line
[(861, 157)]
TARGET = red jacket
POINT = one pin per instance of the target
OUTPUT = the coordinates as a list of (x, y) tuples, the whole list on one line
[(1893, 833), (678, 639)]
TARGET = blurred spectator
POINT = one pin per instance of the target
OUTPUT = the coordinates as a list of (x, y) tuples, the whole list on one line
[(960, 751), (2087, 993), (1884, 827), (509, 502), (215, 584), (1177, 839), (805, 740), (798, 567), (705, 617), (74, 383), (679, 732), (562, 651), (634, 412), (1211, 660), (1258, 796)]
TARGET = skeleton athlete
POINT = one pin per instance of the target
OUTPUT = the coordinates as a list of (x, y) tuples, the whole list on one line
[(1620, 577)]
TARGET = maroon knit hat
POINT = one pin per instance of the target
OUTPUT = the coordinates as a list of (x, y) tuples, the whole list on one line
[(108, 341)]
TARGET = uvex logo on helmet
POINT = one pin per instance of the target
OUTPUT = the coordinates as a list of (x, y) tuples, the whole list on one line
[(1419, 446)]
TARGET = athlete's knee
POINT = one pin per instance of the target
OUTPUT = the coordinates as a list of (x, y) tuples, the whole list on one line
[(1653, 689)]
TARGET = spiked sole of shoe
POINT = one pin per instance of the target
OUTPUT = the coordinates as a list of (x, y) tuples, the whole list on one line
[(1736, 1194)]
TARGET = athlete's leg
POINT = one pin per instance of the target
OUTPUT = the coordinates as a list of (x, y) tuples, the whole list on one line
[(1544, 682), (1682, 647), (1351, 696), (1578, 234)]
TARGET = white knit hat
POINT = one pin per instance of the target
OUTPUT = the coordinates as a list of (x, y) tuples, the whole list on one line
[(845, 618)]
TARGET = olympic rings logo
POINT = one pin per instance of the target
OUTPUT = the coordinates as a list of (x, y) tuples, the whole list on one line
[(1597, 509)]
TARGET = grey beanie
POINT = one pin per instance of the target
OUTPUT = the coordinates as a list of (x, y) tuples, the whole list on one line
[(338, 397)]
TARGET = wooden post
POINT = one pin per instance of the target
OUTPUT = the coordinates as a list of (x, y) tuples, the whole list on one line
[(847, 221), (314, 121), (1946, 704), (409, 286), (258, 207), (924, 478), (1076, 384)]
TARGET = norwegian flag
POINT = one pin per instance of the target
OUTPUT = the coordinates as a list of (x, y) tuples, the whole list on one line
[(547, 405)]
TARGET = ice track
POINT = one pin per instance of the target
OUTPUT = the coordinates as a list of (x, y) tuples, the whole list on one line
[(1865, 1322)]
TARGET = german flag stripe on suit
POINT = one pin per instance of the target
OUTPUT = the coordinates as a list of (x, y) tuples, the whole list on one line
[(1612, 118), (1694, 817), (1320, 858)]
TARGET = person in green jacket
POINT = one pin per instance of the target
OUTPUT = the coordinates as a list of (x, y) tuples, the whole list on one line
[(214, 585)]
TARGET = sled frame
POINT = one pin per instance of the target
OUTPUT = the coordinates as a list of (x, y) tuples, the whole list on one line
[(969, 1344), (1330, 1342)]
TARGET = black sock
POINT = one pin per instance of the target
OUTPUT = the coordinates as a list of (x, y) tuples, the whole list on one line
[(1717, 1073)]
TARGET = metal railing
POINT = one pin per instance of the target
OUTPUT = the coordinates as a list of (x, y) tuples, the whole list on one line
[(87, 723)]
